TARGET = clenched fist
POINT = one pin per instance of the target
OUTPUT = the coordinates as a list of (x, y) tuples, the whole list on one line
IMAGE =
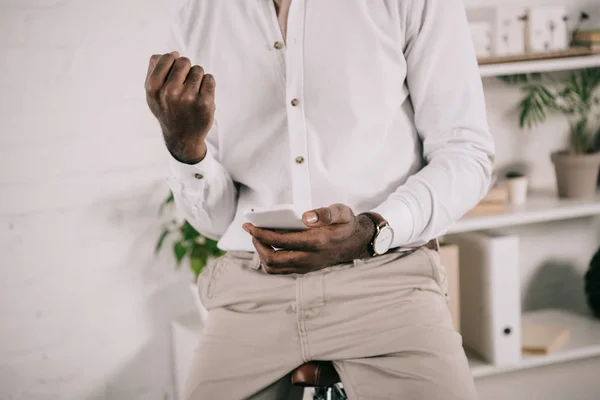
[(182, 98)]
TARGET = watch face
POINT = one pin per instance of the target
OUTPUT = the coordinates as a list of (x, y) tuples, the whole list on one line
[(384, 240)]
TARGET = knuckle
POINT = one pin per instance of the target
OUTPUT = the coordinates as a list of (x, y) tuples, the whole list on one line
[(167, 58), (189, 97), (326, 213), (198, 69), (170, 93), (206, 103), (183, 62), (151, 88)]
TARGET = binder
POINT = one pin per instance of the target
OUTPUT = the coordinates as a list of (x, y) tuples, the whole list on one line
[(490, 295)]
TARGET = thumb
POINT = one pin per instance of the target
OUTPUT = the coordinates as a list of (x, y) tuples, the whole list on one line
[(335, 214)]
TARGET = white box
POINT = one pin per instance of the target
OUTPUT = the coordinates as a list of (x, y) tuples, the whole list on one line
[(185, 332), (547, 29), (481, 34), (490, 296), (509, 33), (507, 27)]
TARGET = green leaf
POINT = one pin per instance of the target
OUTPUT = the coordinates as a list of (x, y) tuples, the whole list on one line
[(169, 200), (179, 250), (198, 258), (197, 265), (161, 240), (188, 231)]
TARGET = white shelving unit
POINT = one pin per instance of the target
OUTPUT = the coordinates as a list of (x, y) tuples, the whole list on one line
[(583, 342), (556, 64), (540, 207)]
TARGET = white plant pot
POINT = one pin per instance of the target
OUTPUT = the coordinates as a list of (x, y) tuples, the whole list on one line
[(517, 190), (202, 312)]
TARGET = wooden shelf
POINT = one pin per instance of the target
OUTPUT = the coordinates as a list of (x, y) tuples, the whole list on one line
[(540, 207), (583, 342), (565, 61)]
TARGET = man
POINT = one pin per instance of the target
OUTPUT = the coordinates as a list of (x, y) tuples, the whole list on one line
[(368, 115)]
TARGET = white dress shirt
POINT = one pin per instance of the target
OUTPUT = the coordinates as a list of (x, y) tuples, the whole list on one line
[(374, 104)]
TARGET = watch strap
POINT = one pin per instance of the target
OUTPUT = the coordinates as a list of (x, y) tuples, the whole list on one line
[(380, 223), (378, 220)]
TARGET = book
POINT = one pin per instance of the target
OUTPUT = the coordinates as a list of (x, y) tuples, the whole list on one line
[(543, 339), (594, 46), (494, 202), (487, 208), (497, 194), (587, 36)]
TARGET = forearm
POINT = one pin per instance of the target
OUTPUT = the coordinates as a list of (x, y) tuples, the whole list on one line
[(455, 180)]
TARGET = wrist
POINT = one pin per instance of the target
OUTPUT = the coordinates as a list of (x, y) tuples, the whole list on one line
[(367, 229), (189, 156)]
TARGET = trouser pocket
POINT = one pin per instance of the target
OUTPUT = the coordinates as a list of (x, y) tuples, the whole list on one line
[(207, 280), (438, 271)]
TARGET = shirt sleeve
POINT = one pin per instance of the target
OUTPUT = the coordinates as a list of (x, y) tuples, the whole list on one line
[(450, 117), (205, 192)]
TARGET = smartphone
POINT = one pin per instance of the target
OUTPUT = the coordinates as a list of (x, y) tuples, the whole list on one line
[(281, 217)]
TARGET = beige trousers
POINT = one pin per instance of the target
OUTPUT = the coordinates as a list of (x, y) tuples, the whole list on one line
[(384, 322)]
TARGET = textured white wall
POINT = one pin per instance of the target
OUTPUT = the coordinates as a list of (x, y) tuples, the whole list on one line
[(84, 305), (85, 308)]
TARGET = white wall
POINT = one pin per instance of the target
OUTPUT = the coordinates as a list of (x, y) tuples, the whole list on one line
[(84, 305), (85, 308)]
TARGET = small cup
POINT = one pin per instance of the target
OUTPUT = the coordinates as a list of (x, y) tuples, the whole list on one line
[(517, 190)]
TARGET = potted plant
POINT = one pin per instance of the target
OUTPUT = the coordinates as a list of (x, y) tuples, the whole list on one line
[(188, 245), (577, 98), (516, 183)]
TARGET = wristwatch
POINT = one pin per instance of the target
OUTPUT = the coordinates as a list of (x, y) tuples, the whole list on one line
[(384, 235)]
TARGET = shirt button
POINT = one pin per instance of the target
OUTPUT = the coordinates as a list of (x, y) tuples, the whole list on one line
[(278, 45), (299, 160), (198, 176), (295, 102)]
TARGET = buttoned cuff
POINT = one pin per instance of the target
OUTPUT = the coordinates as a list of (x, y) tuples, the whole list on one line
[(193, 177), (400, 217)]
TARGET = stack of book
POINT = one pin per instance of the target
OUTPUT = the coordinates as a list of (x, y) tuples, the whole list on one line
[(589, 39), (494, 203)]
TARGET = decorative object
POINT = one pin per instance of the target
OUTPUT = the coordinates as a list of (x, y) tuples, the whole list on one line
[(509, 33), (188, 245), (481, 33), (577, 98), (507, 27), (547, 28), (516, 184), (592, 284)]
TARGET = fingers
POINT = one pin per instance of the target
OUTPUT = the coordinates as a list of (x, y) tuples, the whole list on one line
[(179, 71), (194, 79), (334, 214), (153, 60), (207, 89), (158, 73), (282, 262), (305, 240)]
